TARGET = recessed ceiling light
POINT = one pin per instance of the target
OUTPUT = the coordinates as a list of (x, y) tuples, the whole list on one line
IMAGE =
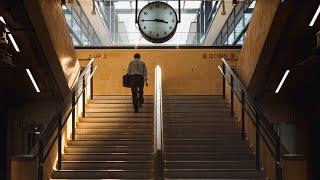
[(282, 81), (315, 17), (32, 80)]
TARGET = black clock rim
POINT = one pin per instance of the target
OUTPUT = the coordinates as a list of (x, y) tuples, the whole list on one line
[(158, 40)]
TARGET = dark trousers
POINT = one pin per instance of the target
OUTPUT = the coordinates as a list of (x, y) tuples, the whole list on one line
[(137, 91)]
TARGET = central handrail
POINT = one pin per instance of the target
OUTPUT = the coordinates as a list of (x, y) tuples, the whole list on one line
[(158, 126), (267, 134), (53, 131)]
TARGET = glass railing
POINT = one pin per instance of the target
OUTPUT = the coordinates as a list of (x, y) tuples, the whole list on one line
[(136, 39)]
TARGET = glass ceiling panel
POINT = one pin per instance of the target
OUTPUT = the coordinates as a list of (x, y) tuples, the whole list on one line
[(113, 22)]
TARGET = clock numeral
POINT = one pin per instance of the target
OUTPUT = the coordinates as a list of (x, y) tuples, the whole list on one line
[(165, 32), (157, 6), (171, 13), (150, 7), (144, 27), (145, 13), (150, 32), (172, 20), (157, 34), (170, 27)]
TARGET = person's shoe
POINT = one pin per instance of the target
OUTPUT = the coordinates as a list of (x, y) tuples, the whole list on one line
[(136, 111), (140, 105)]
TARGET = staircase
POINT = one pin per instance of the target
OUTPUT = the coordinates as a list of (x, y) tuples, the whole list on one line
[(111, 142), (202, 141)]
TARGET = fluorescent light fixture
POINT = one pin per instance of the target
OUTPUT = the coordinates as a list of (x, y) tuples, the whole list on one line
[(32, 80), (14, 43), (2, 20), (282, 81), (315, 17), (64, 7)]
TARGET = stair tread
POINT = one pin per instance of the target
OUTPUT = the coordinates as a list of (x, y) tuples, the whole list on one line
[(112, 142), (102, 161)]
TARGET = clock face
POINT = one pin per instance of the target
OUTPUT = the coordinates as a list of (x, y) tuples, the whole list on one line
[(157, 22)]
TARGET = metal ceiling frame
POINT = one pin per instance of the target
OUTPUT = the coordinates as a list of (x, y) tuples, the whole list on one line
[(179, 11)]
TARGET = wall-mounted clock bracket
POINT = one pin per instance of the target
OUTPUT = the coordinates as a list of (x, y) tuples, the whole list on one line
[(179, 11)]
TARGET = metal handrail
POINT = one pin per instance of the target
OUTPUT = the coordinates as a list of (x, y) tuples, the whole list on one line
[(53, 131), (267, 134)]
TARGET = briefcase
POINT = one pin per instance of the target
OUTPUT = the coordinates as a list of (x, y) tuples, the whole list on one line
[(127, 81)]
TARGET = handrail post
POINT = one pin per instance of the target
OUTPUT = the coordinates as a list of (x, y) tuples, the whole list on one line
[(73, 116), (242, 116), (91, 82), (41, 160), (84, 97), (257, 142), (59, 142), (231, 95), (223, 81), (278, 158)]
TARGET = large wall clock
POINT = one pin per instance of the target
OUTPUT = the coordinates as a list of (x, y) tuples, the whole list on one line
[(157, 22)]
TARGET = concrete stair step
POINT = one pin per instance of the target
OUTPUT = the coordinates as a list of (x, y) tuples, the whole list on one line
[(213, 173), (119, 115), (197, 109), (199, 119), (108, 149), (182, 105), (116, 105), (196, 114), (105, 165), (113, 110), (117, 120), (207, 149), (193, 101), (118, 142), (213, 135), (210, 164), (117, 97), (102, 174), (229, 125), (208, 157), (186, 97), (114, 125), (114, 136), (117, 101), (112, 130), (202, 142), (200, 131), (107, 157)]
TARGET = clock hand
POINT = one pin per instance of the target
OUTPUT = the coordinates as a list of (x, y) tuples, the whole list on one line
[(160, 20), (156, 20)]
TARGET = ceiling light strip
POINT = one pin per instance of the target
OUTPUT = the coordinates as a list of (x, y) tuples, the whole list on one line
[(2, 20), (282, 81), (315, 17), (14, 43), (32, 80)]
